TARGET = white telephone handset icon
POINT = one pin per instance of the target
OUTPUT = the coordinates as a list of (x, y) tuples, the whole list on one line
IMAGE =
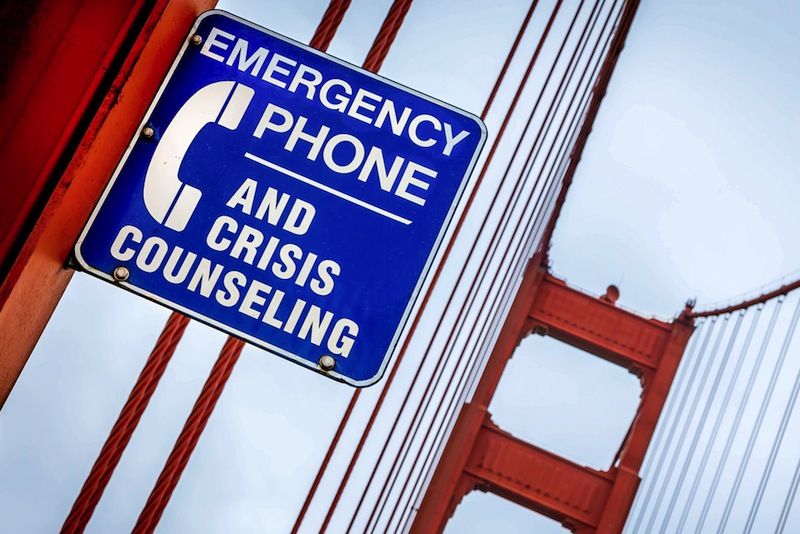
[(170, 201)]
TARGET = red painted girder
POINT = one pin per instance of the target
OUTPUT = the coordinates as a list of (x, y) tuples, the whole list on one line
[(38, 276), (598, 326), (536, 479)]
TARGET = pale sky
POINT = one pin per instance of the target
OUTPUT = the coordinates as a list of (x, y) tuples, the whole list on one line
[(685, 190)]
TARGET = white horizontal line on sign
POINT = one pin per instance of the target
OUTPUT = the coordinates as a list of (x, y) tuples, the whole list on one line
[(323, 187)]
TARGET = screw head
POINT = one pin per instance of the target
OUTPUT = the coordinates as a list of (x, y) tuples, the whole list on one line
[(196, 39), (121, 274), (327, 363), (148, 132)]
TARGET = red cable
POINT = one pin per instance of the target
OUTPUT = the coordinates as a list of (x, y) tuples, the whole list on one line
[(390, 378), (204, 406), (386, 35), (189, 436), (126, 423), (426, 298), (600, 91), (599, 88), (329, 24), (442, 361), (530, 227)]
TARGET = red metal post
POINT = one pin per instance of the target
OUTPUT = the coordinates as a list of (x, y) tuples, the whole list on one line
[(479, 455), (70, 156)]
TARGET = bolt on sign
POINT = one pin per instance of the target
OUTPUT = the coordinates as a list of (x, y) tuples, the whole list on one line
[(285, 197)]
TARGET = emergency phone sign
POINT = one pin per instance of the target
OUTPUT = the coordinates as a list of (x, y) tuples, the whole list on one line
[(285, 197)]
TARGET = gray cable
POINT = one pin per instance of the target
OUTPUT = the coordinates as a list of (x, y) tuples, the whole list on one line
[(738, 418), (787, 504), (720, 416), (673, 426), (666, 418), (702, 422), (762, 411), (707, 365), (776, 445)]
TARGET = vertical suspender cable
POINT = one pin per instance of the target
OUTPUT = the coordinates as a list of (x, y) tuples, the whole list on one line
[(375, 57), (787, 504), (602, 79), (189, 436), (386, 35), (672, 429), (739, 413), (726, 398), (351, 405), (471, 360), (776, 444), (701, 424), (412, 328), (665, 420), (708, 361), (441, 361), (762, 411), (416, 423), (668, 414), (126, 423)]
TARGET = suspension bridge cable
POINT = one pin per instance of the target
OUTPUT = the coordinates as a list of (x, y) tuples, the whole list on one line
[(126, 423), (787, 503), (754, 371), (678, 446), (351, 404), (329, 24), (442, 431), (673, 427), (442, 398), (466, 382), (412, 329), (386, 35), (762, 411), (436, 376), (188, 438), (701, 424), (490, 325), (596, 97), (712, 438), (669, 407), (375, 57), (765, 297), (776, 444), (469, 255)]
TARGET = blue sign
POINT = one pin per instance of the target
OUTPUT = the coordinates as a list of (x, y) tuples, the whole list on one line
[(285, 197)]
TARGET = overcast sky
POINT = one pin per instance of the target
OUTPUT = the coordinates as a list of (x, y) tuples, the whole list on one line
[(687, 188)]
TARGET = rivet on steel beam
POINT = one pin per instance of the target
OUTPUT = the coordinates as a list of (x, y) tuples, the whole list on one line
[(148, 132), (196, 39), (121, 274), (327, 363)]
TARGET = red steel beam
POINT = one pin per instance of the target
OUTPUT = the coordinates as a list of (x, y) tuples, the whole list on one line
[(548, 484), (598, 326), (38, 277)]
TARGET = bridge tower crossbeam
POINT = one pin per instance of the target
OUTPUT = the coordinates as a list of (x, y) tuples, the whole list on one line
[(481, 456)]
